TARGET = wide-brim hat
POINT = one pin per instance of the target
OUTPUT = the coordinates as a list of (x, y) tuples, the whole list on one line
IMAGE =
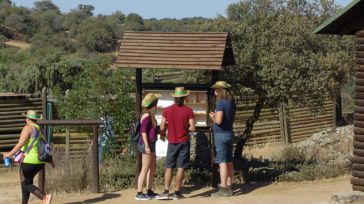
[(180, 92), (149, 99), (221, 85), (32, 114)]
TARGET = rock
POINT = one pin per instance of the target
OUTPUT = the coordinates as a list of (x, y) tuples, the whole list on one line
[(330, 146), (348, 197)]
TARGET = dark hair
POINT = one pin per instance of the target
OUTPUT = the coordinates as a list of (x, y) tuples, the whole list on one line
[(151, 112), (179, 101)]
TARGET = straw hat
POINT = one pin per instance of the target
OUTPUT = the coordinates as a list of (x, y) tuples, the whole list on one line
[(180, 92), (221, 85), (149, 99), (32, 114)]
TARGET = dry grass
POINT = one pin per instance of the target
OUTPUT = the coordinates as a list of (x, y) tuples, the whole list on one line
[(70, 175), (18, 44), (263, 151)]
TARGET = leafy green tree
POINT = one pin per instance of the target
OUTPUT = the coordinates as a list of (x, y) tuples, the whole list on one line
[(133, 22), (45, 5), (76, 16), (96, 35), (279, 58)]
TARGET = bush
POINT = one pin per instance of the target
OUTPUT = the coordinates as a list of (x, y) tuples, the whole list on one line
[(314, 172)]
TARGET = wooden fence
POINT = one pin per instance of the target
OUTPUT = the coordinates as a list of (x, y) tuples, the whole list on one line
[(285, 124), (11, 119)]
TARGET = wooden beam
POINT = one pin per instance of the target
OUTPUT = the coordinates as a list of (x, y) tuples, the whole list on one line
[(95, 160)]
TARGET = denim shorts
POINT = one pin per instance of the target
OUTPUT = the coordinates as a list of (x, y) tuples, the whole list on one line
[(224, 147), (178, 155), (141, 147)]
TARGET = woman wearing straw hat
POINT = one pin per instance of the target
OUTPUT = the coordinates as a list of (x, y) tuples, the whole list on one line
[(146, 145), (30, 165), (223, 119)]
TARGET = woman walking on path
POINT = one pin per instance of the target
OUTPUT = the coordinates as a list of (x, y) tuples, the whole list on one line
[(223, 120), (146, 146), (31, 164)]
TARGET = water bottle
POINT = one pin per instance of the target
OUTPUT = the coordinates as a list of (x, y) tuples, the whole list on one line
[(7, 162)]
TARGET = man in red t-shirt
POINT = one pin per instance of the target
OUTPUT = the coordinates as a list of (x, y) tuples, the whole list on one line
[(181, 121)]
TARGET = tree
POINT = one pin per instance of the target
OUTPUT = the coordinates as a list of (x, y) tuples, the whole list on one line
[(96, 35), (279, 58), (133, 22), (46, 5)]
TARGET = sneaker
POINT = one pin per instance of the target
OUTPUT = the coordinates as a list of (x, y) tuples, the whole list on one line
[(222, 192), (163, 196), (177, 196), (142, 197), (230, 191), (47, 199), (152, 194)]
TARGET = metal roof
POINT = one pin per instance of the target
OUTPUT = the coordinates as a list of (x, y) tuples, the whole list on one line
[(347, 21), (190, 50)]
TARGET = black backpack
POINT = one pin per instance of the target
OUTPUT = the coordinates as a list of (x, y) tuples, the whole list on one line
[(135, 131)]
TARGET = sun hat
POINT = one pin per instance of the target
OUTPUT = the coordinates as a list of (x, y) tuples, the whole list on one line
[(149, 99), (180, 92), (32, 114), (221, 85)]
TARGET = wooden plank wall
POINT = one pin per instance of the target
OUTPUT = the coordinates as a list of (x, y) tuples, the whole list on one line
[(11, 118), (357, 179), (302, 123)]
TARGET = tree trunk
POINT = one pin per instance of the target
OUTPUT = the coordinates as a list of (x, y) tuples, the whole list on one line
[(249, 124)]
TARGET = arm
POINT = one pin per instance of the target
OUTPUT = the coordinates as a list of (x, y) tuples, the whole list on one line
[(144, 125), (24, 136), (218, 117), (163, 128), (192, 127)]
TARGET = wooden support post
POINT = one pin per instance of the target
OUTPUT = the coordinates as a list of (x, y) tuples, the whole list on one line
[(138, 102), (95, 188), (68, 143), (285, 135), (334, 114), (41, 174), (215, 176)]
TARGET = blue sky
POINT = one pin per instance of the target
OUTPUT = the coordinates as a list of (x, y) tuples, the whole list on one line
[(152, 8)]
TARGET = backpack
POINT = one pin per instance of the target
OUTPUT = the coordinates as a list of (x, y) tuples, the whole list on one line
[(44, 151), (135, 131)]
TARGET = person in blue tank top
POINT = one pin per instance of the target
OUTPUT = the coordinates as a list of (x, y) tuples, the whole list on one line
[(223, 120)]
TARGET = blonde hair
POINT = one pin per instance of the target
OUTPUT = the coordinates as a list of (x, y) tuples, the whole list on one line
[(226, 94)]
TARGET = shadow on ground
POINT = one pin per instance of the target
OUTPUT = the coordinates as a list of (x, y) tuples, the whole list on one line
[(104, 197)]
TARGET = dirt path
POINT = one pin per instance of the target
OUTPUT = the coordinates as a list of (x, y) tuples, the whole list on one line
[(284, 193)]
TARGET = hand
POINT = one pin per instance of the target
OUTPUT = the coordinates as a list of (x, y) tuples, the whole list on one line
[(147, 150), (163, 138), (6, 154), (53, 165), (212, 116)]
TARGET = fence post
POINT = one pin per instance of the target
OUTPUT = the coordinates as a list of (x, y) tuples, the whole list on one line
[(285, 136), (68, 143), (41, 174), (95, 188)]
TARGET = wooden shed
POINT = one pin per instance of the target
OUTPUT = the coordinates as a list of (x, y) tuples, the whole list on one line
[(350, 21), (180, 51)]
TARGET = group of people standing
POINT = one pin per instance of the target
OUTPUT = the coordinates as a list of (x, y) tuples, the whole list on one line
[(178, 121)]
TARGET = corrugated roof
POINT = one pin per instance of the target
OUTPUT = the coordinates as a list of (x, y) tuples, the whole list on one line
[(178, 50), (347, 21)]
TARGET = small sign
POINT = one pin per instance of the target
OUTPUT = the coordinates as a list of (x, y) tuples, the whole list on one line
[(161, 147)]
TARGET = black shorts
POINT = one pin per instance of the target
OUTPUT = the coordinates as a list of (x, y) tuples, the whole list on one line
[(178, 155)]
